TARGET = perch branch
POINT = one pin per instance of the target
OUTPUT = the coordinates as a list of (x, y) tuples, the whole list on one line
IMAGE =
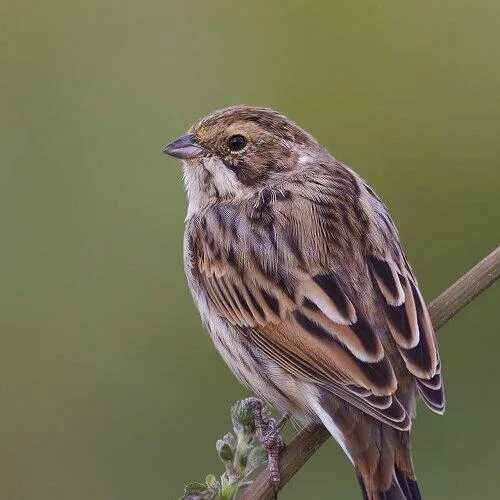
[(442, 309)]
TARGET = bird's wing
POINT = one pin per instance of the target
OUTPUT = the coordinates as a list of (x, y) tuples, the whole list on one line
[(404, 308), (281, 281)]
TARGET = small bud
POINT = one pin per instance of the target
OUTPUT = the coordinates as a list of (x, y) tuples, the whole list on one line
[(224, 450), (230, 440), (196, 491), (243, 415), (212, 483), (194, 487)]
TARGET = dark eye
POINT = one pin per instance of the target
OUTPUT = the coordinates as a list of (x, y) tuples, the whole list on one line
[(236, 142)]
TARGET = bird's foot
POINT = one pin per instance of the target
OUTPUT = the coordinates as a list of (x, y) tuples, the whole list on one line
[(269, 433)]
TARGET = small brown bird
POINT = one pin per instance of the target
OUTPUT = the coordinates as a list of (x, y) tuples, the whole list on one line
[(299, 277)]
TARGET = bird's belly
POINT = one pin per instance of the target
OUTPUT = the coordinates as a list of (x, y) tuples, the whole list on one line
[(256, 370)]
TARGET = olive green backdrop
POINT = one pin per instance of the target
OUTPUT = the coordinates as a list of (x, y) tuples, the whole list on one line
[(109, 387)]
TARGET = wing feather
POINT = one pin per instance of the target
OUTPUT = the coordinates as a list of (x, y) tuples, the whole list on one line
[(308, 325), (295, 297), (410, 324), (384, 408), (407, 318)]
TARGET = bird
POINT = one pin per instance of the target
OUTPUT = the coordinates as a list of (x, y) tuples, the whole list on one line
[(299, 277)]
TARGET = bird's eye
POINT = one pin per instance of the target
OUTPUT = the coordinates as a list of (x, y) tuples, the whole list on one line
[(236, 142)]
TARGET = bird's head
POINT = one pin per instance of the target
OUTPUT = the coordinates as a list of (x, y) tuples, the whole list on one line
[(238, 150)]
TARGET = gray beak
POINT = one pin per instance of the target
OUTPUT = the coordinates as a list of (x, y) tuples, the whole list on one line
[(184, 147)]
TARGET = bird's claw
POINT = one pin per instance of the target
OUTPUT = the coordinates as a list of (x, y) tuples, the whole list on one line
[(268, 431), (273, 443)]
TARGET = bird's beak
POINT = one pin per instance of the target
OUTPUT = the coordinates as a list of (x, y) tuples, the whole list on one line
[(185, 147)]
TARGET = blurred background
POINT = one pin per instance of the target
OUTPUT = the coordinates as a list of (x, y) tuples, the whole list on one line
[(109, 386)]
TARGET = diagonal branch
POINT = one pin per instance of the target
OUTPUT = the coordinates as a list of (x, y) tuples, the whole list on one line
[(442, 309)]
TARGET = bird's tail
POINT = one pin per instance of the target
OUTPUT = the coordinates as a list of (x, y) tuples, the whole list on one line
[(380, 453), (402, 487), (384, 467)]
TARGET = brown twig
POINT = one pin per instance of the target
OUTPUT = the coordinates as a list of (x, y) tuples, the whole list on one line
[(442, 309)]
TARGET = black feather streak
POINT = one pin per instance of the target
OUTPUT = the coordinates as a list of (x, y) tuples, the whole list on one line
[(329, 285)]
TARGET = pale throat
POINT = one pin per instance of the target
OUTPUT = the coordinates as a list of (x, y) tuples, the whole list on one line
[(207, 181)]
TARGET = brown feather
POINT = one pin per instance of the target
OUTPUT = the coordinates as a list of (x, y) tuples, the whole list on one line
[(301, 280)]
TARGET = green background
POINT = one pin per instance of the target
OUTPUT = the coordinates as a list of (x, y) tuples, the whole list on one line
[(109, 387)]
